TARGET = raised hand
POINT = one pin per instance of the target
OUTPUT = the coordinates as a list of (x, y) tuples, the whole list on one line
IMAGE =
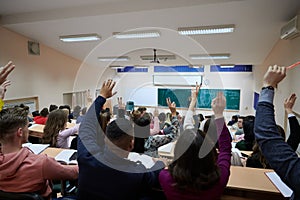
[(273, 76), (289, 103), (218, 105), (3, 88), (172, 106), (7, 69), (195, 91), (121, 104), (107, 87)]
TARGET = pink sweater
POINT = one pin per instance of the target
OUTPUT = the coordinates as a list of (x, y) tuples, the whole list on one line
[(24, 171)]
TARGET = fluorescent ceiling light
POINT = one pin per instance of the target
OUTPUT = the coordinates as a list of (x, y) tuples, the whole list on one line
[(159, 57), (136, 34), (80, 38), (109, 59), (209, 56), (196, 66), (141, 66), (116, 67), (227, 66), (204, 30)]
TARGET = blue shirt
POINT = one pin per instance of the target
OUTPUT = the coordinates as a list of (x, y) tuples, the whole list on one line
[(281, 157)]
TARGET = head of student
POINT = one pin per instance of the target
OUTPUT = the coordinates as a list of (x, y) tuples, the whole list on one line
[(119, 135), (13, 126), (57, 121), (104, 119), (44, 112), (188, 169)]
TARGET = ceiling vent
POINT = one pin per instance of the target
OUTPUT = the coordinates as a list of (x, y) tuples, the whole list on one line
[(292, 29)]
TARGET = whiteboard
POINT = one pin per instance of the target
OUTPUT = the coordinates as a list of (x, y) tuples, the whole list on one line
[(142, 96)]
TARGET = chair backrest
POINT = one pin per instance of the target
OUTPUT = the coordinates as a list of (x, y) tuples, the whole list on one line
[(19, 196)]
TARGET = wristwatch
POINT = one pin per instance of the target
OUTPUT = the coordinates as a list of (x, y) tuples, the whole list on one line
[(268, 87)]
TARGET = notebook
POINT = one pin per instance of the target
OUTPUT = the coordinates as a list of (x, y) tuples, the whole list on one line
[(146, 160), (67, 157), (281, 186), (36, 148)]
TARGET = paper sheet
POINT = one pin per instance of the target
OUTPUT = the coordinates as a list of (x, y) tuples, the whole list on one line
[(281, 186)]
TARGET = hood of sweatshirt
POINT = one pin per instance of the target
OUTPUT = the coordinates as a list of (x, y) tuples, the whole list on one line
[(9, 163)]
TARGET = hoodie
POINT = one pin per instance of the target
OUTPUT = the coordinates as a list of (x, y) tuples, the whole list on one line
[(24, 171)]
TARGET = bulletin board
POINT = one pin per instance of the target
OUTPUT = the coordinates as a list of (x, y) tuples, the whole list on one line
[(31, 102)]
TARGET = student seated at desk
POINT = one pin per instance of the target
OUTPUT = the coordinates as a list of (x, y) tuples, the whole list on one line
[(170, 133), (193, 175), (42, 117), (257, 160), (104, 170), (281, 157), (20, 169), (55, 132), (247, 142)]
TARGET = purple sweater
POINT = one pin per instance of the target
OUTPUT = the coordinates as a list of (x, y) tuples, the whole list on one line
[(214, 192)]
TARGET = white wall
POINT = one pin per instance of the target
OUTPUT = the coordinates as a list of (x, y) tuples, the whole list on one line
[(139, 88), (284, 53), (47, 76)]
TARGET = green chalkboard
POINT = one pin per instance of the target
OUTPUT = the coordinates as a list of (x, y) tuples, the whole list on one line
[(181, 97)]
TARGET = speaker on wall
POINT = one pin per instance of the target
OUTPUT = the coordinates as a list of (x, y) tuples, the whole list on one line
[(33, 48)]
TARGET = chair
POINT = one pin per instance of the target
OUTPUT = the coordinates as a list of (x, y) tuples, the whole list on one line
[(19, 196)]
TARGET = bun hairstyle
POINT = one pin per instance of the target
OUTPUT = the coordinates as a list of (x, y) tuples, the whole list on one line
[(135, 115)]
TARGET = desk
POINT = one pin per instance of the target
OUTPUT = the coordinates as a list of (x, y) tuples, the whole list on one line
[(251, 183), (52, 152), (244, 182), (36, 130), (70, 125), (167, 150), (248, 153)]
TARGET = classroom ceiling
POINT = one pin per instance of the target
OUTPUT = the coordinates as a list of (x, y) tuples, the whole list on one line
[(257, 22)]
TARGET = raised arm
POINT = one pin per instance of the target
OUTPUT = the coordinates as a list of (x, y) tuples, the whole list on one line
[(281, 157), (7, 69), (153, 142), (188, 121), (2, 92), (294, 137), (91, 136), (218, 105)]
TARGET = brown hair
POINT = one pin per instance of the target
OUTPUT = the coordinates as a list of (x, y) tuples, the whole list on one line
[(189, 170), (56, 122), (10, 120)]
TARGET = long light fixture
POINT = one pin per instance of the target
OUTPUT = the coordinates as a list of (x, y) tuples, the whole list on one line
[(111, 59), (136, 34), (116, 67), (196, 66), (210, 56), (227, 66), (80, 38), (204, 30)]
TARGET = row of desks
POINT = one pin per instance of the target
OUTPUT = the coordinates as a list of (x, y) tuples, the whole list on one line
[(244, 182), (37, 130)]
